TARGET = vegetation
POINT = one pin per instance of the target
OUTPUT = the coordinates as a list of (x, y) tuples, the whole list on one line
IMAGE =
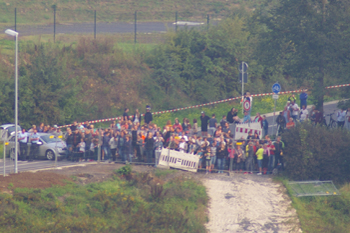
[(323, 214), (67, 11), (94, 79), (316, 153), (117, 205)]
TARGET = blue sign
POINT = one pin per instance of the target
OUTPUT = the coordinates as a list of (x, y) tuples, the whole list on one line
[(276, 88)]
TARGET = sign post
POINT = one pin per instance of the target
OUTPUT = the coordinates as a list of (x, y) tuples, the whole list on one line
[(276, 88), (244, 79)]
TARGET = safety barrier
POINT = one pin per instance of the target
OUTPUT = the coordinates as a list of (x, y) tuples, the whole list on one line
[(206, 104)]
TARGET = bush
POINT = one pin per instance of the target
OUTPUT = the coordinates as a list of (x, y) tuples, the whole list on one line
[(316, 153), (126, 170)]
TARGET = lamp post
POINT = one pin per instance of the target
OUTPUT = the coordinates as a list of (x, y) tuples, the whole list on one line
[(15, 34)]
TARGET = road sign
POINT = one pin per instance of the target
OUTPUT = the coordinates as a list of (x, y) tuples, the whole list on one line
[(275, 97), (246, 105), (245, 77), (243, 66), (276, 88)]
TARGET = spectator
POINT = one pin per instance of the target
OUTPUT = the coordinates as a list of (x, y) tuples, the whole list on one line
[(239, 157), (185, 125), (74, 126), (271, 164), (213, 154), (295, 111), (286, 113), (148, 115), (347, 119), (341, 118), (304, 114), (76, 140), (266, 155), (281, 123), (113, 144), (303, 98), (258, 118), (82, 146), (279, 152), (221, 156), (88, 141), (265, 127), (204, 123), (183, 145), (223, 121), (313, 113), (212, 125), (260, 156), (23, 146), (34, 148), (137, 117), (120, 146), (249, 164), (125, 114), (290, 124), (231, 153), (127, 149), (105, 146), (246, 118), (41, 128), (207, 160), (195, 127), (177, 125), (292, 98), (149, 145), (232, 119)]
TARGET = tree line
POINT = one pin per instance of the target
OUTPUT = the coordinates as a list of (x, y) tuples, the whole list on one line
[(299, 43)]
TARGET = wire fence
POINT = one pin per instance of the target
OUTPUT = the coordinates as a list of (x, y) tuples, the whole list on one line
[(139, 26)]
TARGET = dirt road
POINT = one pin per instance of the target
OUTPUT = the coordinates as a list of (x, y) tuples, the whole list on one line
[(249, 203)]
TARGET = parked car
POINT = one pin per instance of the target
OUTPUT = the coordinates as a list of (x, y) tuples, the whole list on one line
[(49, 147), (10, 130)]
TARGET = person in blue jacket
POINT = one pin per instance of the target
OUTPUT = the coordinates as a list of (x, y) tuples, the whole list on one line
[(303, 98)]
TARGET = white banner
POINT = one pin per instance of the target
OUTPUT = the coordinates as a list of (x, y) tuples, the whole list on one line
[(179, 160), (242, 130)]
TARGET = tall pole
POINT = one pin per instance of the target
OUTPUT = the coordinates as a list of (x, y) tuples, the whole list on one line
[(16, 19), (208, 21), (273, 121), (54, 24), (135, 27), (176, 21), (16, 105), (5, 156), (242, 87), (95, 24)]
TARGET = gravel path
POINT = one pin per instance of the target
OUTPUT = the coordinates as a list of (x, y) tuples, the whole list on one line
[(249, 203)]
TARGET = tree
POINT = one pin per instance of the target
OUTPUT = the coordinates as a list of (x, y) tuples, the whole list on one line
[(307, 39)]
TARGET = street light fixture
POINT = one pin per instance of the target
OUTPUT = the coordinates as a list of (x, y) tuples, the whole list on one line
[(15, 34)]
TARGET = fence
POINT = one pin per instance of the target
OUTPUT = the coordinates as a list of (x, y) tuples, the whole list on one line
[(137, 26)]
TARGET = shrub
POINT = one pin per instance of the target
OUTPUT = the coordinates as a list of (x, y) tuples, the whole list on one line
[(316, 153), (126, 170)]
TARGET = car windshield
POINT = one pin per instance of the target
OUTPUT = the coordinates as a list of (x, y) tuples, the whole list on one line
[(50, 138), (12, 129)]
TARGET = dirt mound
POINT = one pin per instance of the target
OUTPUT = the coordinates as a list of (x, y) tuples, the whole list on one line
[(32, 180)]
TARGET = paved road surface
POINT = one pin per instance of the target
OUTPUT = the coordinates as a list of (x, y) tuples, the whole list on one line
[(102, 28), (328, 108)]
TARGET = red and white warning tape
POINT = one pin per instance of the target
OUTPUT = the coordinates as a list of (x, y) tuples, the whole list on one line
[(202, 105)]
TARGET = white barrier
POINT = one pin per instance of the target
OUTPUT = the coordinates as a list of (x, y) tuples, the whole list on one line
[(179, 160), (242, 130)]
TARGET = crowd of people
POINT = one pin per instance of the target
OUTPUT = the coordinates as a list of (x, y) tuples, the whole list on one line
[(133, 139)]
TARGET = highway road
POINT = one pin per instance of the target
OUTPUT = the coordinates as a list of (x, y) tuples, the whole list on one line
[(46, 164), (104, 28)]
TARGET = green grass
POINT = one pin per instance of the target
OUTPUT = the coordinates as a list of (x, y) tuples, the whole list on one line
[(68, 11), (323, 213), (111, 206)]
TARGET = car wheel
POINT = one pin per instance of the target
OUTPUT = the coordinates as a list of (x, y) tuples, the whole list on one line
[(50, 155)]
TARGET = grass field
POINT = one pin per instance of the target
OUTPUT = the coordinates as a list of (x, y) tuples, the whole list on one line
[(67, 11), (116, 205)]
